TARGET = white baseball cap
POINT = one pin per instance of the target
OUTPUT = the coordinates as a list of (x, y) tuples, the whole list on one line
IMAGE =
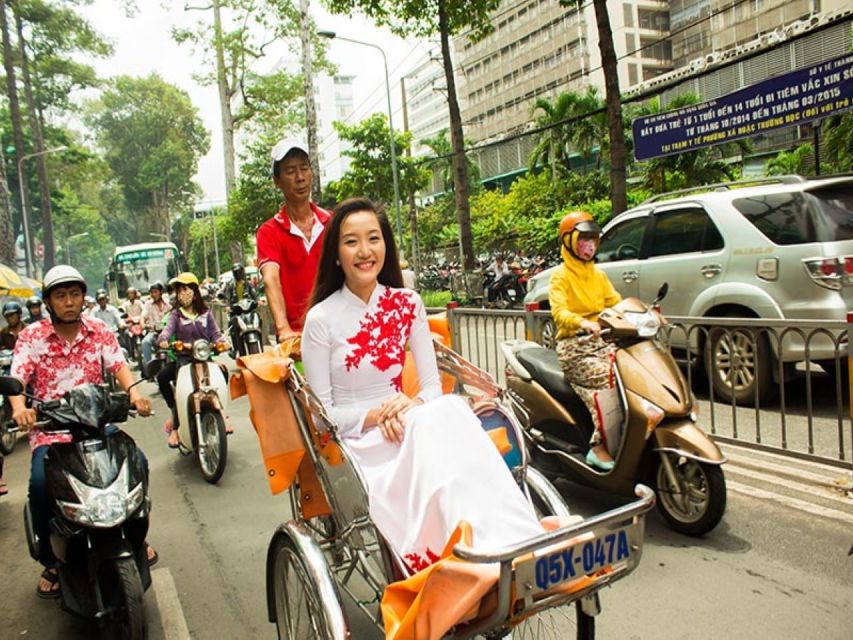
[(285, 146)]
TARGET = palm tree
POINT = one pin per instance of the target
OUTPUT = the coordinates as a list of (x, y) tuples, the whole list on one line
[(442, 151), (551, 149), (574, 121)]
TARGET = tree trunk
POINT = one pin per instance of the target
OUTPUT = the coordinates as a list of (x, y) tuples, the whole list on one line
[(457, 141), (7, 237), (413, 212), (618, 188), (308, 90), (224, 103), (38, 138), (14, 114)]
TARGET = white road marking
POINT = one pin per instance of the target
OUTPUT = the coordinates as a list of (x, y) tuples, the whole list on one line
[(824, 487), (169, 605), (794, 503)]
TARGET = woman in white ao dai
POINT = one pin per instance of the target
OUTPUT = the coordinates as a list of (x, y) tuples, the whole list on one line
[(427, 461)]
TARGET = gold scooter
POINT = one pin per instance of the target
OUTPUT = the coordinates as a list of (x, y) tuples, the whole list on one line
[(661, 443)]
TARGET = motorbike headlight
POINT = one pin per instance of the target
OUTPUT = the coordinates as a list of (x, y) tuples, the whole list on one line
[(100, 508), (201, 350), (6, 360), (647, 323)]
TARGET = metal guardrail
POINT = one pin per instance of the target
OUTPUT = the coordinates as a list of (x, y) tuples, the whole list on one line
[(803, 412)]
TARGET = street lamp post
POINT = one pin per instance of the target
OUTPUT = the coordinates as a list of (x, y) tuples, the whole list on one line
[(68, 244), (394, 169), (29, 262)]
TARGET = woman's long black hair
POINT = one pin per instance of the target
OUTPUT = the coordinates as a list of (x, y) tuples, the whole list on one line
[(330, 275)]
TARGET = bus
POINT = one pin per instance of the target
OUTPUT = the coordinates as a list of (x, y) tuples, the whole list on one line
[(139, 265)]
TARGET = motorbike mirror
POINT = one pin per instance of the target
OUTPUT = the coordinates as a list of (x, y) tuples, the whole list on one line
[(664, 289), (151, 369), (11, 386), (220, 296)]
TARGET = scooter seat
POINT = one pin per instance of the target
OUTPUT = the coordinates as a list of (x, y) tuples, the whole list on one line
[(544, 365)]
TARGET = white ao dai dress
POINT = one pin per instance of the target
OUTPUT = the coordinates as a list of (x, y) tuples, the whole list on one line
[(446, 469)]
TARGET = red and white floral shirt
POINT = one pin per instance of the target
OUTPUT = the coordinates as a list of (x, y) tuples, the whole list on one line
[(54, 366)]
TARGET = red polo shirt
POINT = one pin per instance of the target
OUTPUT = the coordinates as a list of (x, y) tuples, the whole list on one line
[(297, 266)]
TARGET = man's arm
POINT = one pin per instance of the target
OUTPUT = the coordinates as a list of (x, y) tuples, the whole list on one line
[(125, 379), (275, 300)]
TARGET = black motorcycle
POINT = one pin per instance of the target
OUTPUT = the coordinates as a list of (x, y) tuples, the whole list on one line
[(100, 506), (245, 325)]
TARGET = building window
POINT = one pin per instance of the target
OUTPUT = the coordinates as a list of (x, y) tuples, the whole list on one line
[(629, 14)]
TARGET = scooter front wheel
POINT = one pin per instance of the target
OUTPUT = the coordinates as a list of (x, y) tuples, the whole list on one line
[(8, 439), (212, 449), (696, 502), (122, 593)]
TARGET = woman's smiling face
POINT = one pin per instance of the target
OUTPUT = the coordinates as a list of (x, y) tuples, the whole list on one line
[(361, 249)]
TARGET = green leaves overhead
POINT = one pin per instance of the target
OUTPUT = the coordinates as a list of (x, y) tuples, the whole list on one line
[(152, 138)]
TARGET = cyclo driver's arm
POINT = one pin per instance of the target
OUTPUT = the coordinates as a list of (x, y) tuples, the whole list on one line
[(275, 297)]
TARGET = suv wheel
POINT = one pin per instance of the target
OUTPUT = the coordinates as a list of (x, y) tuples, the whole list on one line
[(738, 362)]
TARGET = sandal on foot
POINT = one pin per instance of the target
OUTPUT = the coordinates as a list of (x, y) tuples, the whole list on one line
[(176, 443), (51, 576), (153, 556), (3, 489), (169, 426)]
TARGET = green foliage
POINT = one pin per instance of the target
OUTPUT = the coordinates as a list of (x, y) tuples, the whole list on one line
[(797, 161), (442, 162), (525, 218), (152, 138), (255, 199), (55, 34), (201, 251), (838, 137), (370, 172), (436, 298)]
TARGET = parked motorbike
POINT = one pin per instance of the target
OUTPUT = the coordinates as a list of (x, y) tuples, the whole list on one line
[(201, 398), (245, 323), (661, 444), (8, 431), (100, 508)]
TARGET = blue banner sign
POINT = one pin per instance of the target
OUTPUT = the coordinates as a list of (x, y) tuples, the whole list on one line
[(787, 100)]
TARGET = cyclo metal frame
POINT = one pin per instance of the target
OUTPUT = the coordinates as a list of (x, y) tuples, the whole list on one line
[(345, 545)]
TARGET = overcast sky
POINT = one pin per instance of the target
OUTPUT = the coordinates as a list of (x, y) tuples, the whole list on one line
[(143, 44)]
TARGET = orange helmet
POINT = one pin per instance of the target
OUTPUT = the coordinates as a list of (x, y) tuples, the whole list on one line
[(572, 225)]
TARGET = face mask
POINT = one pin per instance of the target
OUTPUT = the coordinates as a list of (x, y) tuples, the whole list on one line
[(185, 298), (586, 249)]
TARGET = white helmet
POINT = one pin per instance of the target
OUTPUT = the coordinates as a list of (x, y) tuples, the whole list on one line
[(62, 274)]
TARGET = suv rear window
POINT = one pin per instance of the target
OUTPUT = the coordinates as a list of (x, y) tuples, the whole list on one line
[(823, 215)]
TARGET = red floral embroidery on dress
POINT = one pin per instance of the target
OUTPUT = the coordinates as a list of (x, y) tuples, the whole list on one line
[(383, 335), (418, 562)]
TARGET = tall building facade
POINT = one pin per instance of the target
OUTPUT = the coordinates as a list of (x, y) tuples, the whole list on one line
[(334, 100), (425, 94), (539, 48)]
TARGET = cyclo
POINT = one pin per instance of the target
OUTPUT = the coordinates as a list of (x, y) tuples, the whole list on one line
[(328, 567)]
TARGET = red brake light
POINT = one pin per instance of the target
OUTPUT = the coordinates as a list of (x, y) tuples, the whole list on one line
[(848, 265), (829, 267)]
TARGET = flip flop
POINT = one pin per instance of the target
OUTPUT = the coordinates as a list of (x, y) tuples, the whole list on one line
[(3, 489), (53, 578), (153, 559)]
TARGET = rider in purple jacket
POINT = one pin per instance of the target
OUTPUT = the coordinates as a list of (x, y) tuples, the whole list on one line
[(189, 320)]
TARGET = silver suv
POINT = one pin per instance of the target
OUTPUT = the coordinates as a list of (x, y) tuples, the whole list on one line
[(778, 248)]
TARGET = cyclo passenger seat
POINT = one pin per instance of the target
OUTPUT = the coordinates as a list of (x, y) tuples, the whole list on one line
[(544, 366)]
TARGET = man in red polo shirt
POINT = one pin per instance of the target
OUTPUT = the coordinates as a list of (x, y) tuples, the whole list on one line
[(289, 243)]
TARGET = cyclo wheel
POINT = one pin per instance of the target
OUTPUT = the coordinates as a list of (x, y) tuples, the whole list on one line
[(121, 589), (302, 603), (212, 451), (559, 622)]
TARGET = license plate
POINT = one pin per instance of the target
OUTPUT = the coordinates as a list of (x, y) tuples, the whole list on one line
[(576, 561)]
